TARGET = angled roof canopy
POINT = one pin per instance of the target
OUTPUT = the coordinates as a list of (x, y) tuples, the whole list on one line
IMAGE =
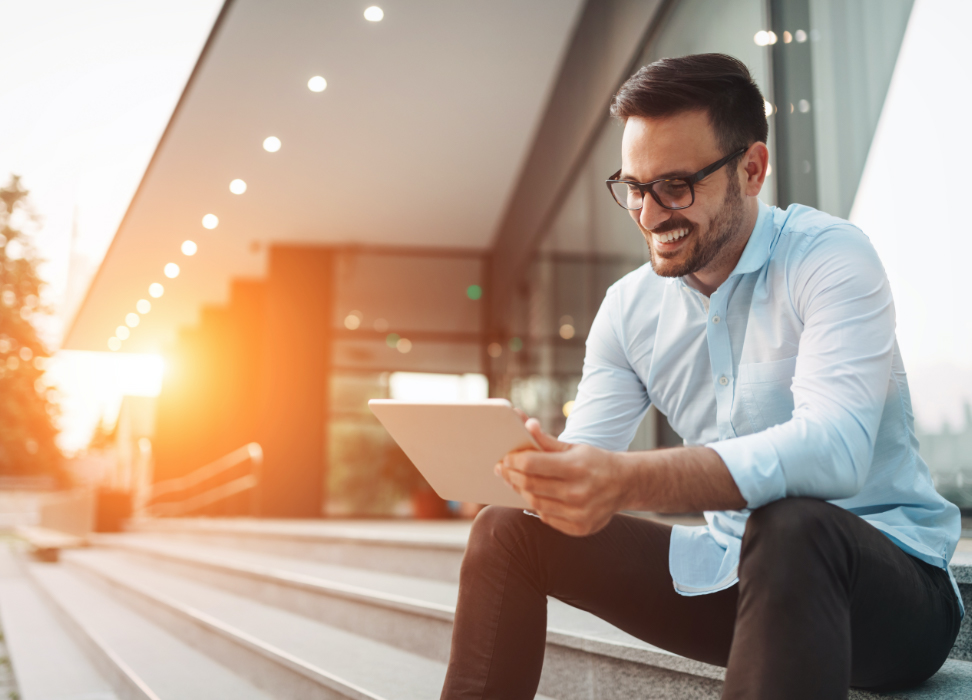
[(417, 140)]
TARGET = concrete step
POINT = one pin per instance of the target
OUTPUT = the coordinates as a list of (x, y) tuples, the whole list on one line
[(292, 654), (586, 657), (428, 549), (47, 662), (141, 660)]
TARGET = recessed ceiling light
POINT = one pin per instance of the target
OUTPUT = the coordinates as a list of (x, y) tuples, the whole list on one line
[(156, 290), (189, 247), (143, 306), (210, 221), (374, 14), (271, 144), (114, 344), (317, 84), (171, 270), (131, 320), (237, 186)]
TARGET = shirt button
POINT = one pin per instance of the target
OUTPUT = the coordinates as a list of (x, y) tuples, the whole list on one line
[(715, 319), (723, 380)]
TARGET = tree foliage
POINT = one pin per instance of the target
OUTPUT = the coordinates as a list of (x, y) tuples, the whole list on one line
[(27, 414)]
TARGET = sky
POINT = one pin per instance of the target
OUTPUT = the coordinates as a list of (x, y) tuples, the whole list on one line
[(89, 86)]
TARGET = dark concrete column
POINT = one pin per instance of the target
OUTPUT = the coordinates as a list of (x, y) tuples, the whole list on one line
[(295, 358)]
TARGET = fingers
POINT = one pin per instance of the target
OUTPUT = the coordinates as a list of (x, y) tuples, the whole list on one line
[(523, 416), (552, 465), (547, 443), (542, 487)]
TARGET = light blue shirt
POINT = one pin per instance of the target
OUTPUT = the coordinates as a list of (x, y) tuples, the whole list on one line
[(790, 371)]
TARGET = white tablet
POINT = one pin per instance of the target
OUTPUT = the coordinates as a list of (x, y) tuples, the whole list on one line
[(456, 445)]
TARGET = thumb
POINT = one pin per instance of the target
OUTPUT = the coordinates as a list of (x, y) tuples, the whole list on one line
[(548, 443)]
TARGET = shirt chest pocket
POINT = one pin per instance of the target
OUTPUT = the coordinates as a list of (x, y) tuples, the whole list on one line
[(764, 392)]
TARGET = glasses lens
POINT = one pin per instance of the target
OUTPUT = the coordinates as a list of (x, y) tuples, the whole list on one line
[(674, 194), (628, 196)]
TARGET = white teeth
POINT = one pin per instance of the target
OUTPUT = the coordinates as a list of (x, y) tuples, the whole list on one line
[(672, 236)]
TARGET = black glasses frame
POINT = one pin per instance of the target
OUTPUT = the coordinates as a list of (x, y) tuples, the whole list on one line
[(649, 187)]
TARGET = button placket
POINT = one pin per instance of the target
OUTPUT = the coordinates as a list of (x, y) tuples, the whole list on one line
[(720, 356)]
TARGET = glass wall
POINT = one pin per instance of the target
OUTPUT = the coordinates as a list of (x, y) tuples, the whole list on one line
[(400, 316)]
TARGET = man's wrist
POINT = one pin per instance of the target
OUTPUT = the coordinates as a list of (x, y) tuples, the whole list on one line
[(630, 468)]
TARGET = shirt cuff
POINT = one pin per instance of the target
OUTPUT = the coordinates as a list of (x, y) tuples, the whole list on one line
[(755, 467)]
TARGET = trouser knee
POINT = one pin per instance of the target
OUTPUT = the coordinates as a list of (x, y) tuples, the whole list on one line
[(496, 529), (787, 535)]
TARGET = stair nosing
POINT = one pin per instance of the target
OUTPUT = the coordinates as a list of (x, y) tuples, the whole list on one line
[(239, 637)]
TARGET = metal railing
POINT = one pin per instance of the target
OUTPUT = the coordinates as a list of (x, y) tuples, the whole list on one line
[(251, 452)]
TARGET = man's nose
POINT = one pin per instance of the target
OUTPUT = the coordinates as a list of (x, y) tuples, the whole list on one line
[(652, 214)]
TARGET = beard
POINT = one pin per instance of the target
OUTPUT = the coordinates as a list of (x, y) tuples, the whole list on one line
[(706, 245)]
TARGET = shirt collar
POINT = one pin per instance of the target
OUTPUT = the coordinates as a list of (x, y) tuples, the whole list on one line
[(760, 243)]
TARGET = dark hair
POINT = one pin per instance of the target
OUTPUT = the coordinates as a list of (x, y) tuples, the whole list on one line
[(718, 84)]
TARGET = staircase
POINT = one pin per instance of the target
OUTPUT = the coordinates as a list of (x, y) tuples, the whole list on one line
[(239, 608)]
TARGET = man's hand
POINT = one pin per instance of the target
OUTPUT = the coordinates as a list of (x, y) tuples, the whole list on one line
[(573, 488)]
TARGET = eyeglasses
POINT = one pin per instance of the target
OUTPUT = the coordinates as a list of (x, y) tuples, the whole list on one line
[(670, 193)]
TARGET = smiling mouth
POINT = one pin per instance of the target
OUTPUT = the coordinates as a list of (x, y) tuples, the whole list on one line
[(669, 236)]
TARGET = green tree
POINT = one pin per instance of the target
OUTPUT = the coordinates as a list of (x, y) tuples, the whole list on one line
[(27, 414)]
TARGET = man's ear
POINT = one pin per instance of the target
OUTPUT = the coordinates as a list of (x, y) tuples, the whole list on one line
[(753, 168)]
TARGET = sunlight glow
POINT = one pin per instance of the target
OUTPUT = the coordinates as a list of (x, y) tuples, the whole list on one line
[(237, 186), (189, 248), (122, 332), (171, 270), (114, 344), (143, 306), (132, 320), (210, 221), (374, 14), (271, 144), (423, 387), (156, 290), (317, 84)]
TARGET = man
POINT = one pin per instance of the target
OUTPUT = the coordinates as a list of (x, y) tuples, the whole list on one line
[(767, 339)]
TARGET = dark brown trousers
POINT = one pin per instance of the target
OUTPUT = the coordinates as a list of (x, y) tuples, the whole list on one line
[(824, 602)]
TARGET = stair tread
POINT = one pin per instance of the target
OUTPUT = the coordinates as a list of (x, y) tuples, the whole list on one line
[(38, 643), (561, 617), (168, 666), (379, 668)]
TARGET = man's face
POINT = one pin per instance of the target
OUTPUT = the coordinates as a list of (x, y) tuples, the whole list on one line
[(689, 240)]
